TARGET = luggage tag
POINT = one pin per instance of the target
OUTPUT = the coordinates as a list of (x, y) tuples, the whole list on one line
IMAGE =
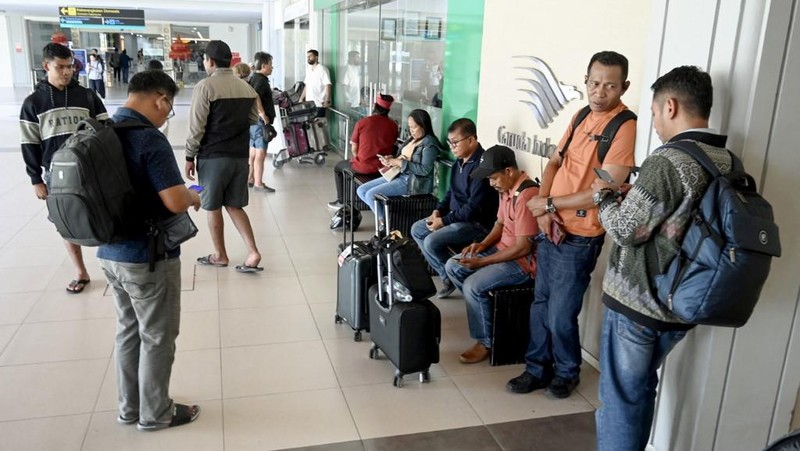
[(345, 253)]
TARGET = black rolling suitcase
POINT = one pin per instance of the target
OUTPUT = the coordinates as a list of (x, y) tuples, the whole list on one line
[(357, 273), (511, 308), (404, 211), (407, 332)]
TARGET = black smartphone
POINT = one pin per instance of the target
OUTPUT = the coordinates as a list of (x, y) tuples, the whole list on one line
[(603, 175)]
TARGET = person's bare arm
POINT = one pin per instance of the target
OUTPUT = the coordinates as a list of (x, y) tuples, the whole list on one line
[(178, 198)]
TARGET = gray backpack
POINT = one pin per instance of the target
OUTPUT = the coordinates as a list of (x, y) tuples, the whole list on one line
[(91, 199)]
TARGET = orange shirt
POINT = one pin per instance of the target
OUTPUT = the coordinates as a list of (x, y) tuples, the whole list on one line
[(518, 220), (577, 169)]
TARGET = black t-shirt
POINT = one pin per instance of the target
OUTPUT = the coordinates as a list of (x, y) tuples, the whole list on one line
[(260, 83)]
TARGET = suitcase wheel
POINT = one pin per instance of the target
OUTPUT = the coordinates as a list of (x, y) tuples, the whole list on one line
[(319, 159), (357, 336), (373, 352), (398, 381), (424, 377), (337, 319)]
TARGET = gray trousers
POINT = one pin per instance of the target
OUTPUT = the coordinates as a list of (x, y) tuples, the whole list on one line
[(148, 317)]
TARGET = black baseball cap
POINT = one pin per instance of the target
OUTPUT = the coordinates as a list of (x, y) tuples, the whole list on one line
[(495, 159), (218, 51)]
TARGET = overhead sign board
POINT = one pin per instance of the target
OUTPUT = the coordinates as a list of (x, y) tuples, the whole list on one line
[(109, 18)]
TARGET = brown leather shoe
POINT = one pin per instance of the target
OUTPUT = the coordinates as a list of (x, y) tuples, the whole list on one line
[(476, 353)]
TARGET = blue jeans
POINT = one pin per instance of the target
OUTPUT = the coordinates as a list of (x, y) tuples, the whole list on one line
[(562, 275), (368, 191), (630, 355), (475, 286), (435, 246)]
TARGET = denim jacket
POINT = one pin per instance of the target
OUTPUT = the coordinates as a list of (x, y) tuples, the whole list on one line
[(420, 168)]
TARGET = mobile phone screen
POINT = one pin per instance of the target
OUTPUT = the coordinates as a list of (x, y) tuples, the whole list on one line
[(197, 188), (603, 175)]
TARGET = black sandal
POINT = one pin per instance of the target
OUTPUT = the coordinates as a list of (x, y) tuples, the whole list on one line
[(182, 414)]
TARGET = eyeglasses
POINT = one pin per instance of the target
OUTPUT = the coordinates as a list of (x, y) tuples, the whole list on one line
[(171, 109), (455, 143)]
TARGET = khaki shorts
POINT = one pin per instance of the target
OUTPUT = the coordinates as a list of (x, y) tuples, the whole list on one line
[(224, 182)]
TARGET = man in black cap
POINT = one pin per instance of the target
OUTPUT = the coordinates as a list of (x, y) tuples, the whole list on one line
[(223, 109), (504, 257)]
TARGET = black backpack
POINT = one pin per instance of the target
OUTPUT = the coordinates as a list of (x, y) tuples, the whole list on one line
[(724, 260), (609, 132), (91, 199)]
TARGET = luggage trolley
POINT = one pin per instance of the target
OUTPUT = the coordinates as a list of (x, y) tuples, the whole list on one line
[(306, 135)]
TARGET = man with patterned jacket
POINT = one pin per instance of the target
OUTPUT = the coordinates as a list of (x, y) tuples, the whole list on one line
[(639, 331), (48, 117)]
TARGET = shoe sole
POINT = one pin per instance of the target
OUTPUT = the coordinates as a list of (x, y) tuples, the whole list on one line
[(331, 207)]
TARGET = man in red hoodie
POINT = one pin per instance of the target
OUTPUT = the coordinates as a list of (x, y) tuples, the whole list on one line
[(374, 135)]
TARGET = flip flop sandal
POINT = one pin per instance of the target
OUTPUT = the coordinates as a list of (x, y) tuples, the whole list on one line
[(123, 420), (248, 269), (206, 261), (182, 414), (76, 286)]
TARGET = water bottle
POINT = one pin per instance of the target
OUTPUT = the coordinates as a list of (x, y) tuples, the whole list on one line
[(401, 293)]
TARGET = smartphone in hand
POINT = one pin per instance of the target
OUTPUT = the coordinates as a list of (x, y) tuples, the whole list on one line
[(603, 175), (197, 188)]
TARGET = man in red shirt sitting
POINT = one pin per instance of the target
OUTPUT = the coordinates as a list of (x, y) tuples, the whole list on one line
[(374, 135)]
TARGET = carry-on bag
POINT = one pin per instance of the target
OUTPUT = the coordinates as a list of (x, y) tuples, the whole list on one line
[(408, 333), (511, 308), (301, 112), (405, 210), (356, 274), (296, 139), (318, 134)]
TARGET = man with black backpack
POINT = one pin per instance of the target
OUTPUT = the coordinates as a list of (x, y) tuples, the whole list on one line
[(600, 136), (147, 287), (638, 329), (48, 117)]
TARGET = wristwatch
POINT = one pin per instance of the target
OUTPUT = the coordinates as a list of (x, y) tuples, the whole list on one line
[(601, 195), (550, 208)]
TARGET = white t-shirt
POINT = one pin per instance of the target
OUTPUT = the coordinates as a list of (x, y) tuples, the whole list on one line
[(352, 84), (317, 77), (95, 70)]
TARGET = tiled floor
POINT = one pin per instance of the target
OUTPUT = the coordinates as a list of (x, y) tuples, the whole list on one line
[(260, 353)]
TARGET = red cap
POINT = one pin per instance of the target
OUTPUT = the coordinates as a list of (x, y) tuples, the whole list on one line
[(385, 104)]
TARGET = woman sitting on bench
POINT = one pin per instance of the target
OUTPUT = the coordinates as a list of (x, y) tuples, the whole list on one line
[(414, 165)]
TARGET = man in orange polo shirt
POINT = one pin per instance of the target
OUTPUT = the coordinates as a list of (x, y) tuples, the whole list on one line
[(564, 270)]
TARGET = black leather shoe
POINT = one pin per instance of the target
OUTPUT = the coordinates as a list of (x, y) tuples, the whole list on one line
[(447, 289), (526, 383), (562, 388)]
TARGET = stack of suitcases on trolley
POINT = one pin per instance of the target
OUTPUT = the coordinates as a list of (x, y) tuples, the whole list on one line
[(383, 289), (306, 135)]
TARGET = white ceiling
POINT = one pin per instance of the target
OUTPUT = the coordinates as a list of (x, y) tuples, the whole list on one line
[(194, 11)]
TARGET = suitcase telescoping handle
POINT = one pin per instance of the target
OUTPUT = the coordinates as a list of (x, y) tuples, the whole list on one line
[(349, 207), (380, 199)]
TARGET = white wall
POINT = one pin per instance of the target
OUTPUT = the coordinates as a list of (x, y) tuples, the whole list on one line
[(6, 78), (235, 35), (565, 34)]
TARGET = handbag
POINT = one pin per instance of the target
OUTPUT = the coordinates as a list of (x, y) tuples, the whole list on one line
[(177, 229)]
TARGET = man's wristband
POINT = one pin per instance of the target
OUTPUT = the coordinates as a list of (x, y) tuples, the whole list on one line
[(190, 159), (550, 208)]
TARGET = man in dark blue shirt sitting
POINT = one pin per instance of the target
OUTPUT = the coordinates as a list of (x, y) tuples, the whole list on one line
[(468, 210), (148, 302)]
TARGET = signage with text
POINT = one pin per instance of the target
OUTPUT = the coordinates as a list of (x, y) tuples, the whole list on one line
[(113, 18)]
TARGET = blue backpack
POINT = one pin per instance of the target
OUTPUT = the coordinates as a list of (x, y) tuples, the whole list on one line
[(725, 257)]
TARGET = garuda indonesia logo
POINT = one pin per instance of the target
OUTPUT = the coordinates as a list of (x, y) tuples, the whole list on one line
[(547, 96)]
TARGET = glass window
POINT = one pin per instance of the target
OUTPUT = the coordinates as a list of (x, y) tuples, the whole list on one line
[(393, 47), (295, 43)]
